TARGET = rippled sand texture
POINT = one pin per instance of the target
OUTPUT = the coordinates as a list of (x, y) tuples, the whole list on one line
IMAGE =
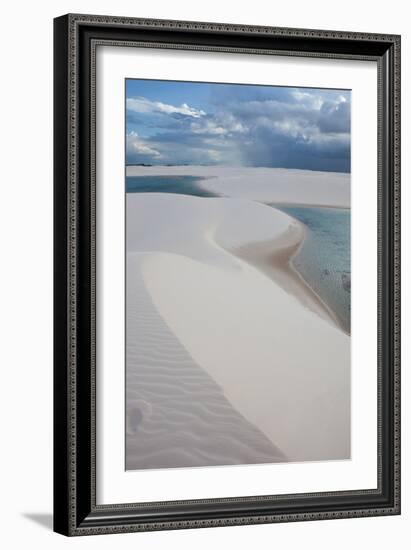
[(231, 359), (177, 416)]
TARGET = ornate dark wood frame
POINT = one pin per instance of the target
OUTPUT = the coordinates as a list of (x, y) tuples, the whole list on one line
[(76, 38)]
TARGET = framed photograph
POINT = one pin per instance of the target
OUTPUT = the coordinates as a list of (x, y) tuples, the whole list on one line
[(227, 276)]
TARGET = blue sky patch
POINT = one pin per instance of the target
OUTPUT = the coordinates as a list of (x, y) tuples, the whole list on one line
[(171, 122)]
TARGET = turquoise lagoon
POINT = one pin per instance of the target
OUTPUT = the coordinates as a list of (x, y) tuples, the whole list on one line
[(324, 259), (184, 185)]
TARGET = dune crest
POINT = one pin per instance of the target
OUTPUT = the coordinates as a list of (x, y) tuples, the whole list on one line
[(280, 364)]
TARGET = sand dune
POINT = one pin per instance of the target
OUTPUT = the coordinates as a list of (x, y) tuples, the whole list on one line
[(177, 415), (271, 185), (279, 362)]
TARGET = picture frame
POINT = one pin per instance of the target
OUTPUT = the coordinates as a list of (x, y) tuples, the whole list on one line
[(76, 510)]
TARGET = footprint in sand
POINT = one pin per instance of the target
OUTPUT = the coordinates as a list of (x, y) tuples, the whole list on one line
[(136, 415)]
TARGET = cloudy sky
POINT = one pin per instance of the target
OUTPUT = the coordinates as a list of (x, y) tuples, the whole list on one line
[(233, 124)]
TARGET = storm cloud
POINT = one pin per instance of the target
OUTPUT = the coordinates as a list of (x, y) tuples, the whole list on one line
[(201, 123)]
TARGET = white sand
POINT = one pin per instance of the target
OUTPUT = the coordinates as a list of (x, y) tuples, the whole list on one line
[(177, 415), (280, 363), (272, 185)]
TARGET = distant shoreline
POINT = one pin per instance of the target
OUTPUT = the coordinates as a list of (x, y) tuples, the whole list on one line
[(267, 185), (143, 165)]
